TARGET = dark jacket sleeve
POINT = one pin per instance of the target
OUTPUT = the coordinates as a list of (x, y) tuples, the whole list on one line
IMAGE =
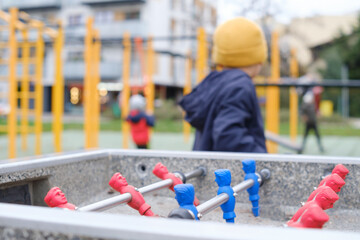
[(150, 120), (230, 131)]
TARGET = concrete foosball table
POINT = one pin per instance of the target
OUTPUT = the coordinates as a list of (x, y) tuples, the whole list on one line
[(84, 177)]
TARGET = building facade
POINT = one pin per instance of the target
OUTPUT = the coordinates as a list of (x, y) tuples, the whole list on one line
[(160, 19)]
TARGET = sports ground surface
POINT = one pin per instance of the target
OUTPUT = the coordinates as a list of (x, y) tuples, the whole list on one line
[(73, 140)]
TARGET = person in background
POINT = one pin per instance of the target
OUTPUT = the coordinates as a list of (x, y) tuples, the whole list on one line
[(140, 122), (224, 108), (308, 113)]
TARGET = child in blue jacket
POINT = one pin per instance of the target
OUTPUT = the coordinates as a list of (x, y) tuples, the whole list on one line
[(224, 107)]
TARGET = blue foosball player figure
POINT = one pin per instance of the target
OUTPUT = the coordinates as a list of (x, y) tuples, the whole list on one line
[(185, 195), (249, 167), (223, 179)]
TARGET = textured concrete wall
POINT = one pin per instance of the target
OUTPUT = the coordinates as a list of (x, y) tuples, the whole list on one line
[(29, 222), (84, 177)]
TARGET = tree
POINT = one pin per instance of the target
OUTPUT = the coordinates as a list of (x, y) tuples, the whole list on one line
[(344, 50)]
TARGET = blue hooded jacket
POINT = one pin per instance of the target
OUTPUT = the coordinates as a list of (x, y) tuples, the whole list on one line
[(225, 112)]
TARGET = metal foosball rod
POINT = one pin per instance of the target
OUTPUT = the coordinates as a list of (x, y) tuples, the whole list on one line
[(123, 198), (126, 197), (226, 194), (215, 202)]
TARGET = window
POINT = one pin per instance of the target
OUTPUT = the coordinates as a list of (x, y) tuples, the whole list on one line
[(20, 53), (183, 5), (75, 56), (156, 63), (172, 66), (173, 27), (75, 20), (119, 16), (132, 15), (184, 28), (104, 17), (213, 16), (32, 52), (50, 18)]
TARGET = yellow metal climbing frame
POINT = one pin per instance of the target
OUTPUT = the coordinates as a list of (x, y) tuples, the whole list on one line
[(187, 90), (202, 55), (273, 94), (91, 82), (126, 89), (20, 54), (294, 72)]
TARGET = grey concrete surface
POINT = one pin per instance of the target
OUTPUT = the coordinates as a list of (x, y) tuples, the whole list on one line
[(84, 179), (46, 223), (74, 141)]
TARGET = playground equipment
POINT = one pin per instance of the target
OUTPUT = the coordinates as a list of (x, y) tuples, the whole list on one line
[(273, 94), (23, 24), (91, 82), (147, 86), (187, 90), (20, 22), (294, 72), (282, 141), (225, 195), (137, 201), (126, 89), (177, 178), (56, 198), (279, 197), (311, 214), (91, 79), (57, 37), (202, 55), (126, 197)]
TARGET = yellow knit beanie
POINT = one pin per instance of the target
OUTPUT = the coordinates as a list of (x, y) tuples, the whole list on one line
[(239, 43)]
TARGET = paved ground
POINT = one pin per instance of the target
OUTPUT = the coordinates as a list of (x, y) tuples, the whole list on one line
[(74, 140)]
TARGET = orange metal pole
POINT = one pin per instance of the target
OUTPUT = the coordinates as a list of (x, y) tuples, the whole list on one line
[(294, 71), (126, 89), (12, 119), (58, 91), (150, 87), (96, 66), (87, 83), (187, 90), (24, 93), (273, 94), (140, 52), (202, 55), (39, 92)]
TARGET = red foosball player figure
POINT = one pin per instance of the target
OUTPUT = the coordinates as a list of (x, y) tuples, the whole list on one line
[(137, 202), (56, 198), (325, 199), (340, 170), (334, 181), (162, 172), (313, 217)]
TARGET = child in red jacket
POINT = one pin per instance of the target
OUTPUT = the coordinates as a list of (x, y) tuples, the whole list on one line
[(140, 122)]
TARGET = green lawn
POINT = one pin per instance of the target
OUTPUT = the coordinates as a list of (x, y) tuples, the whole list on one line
[(115, 125), (331, 129), (175, 126)]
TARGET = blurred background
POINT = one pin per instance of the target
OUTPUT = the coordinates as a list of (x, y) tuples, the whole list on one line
[(324, 35)]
